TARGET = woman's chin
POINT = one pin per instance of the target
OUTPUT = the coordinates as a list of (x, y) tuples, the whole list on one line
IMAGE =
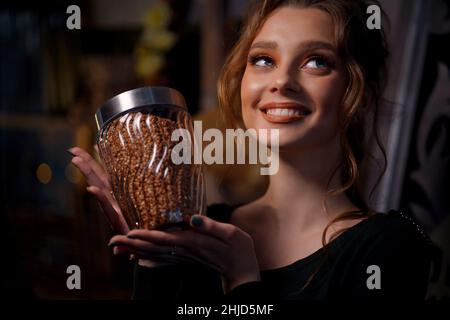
[(286, 143)]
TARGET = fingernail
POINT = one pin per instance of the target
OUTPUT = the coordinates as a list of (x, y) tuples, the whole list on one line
[(113, 244), (197, 221), (70, 152)]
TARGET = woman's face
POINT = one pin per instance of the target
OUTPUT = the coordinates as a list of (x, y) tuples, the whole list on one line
[(293, 80)]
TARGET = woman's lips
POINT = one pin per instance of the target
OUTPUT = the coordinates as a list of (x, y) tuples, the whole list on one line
[(284, 112)]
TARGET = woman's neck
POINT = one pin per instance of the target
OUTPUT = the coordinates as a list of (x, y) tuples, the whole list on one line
[(297, 191)]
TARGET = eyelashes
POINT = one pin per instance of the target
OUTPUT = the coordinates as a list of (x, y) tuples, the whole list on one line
[(316, 62), (255, 60)]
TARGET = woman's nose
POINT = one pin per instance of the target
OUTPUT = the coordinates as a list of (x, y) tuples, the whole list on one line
[(285, 80)]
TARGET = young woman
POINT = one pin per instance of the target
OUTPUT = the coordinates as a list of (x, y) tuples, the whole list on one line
[(312, 70)]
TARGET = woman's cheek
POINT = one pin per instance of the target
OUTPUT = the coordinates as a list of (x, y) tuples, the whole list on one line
[(251, 89), (326, 94)]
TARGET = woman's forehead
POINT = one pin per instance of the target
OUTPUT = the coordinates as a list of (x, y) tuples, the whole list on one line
[(293, 26)]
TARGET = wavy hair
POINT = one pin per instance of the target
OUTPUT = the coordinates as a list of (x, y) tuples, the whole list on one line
[(363, 53)]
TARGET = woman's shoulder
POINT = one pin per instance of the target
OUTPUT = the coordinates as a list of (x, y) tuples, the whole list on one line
[(393, 235), (396, 225), (389, 245)]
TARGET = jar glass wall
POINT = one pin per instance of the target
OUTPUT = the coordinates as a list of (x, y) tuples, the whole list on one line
[(135, 145)]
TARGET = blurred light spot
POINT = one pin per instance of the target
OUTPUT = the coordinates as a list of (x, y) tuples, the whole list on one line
[(44, 173), (72, 173)]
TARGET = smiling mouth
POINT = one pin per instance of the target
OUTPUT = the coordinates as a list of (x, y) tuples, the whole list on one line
[(284, 112)]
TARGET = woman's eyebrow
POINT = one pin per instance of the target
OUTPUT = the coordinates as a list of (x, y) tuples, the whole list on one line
[(264, 45), (311, 45), (304, 46)]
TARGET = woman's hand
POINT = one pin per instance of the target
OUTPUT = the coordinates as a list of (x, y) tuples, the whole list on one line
[(222, 246), (100, 187)]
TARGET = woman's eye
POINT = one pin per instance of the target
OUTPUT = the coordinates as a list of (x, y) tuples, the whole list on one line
[(262, 61), (317, 63)]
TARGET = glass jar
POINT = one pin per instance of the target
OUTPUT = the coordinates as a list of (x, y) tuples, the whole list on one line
[(135, 146)]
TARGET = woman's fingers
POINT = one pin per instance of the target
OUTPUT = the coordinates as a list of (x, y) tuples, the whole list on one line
[(113, 214), (198, 245), (165, 259), (106, 197), (138, 244), (91, 177), (93, 171), (156, 236), (168, 253), (99, 186), (184, 238)]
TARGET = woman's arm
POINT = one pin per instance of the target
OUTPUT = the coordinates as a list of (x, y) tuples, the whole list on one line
[(195, 281)]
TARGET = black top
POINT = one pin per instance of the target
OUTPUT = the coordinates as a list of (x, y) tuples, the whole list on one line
[(392, 242)]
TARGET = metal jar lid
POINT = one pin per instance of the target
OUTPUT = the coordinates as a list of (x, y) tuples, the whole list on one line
[(136, 99)]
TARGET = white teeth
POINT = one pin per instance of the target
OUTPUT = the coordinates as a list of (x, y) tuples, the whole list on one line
[(284, 112)]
